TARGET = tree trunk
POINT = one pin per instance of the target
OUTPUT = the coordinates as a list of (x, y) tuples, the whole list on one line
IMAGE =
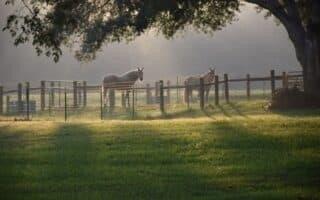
[(305, 35), (311, 67), (311, 53)]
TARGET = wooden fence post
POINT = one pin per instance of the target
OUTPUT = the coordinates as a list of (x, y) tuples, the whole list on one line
[(248, 87), (148, 93), (136, 94), (75, 94), (201, 93), (65, 105), (7, 104), (161, 96), (156, 89), (1, 100), (186, 94), (101, 103), (123, 99), (284, 80), (52, 103), (168, 92), (133, 107), (28, 99), (59, 94), (20, 106), (84, 85), (178, 93), (273, 82), (285, 86), (216, 89), (226, 87), (42, 95), (79, 94), (112, 100)]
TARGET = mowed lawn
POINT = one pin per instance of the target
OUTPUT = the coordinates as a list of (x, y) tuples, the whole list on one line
[(270, 156)]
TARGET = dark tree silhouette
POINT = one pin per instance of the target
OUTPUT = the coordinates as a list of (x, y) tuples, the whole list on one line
[(88, 24)]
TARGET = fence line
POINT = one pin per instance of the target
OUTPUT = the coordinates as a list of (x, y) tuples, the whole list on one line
[(159, 93)]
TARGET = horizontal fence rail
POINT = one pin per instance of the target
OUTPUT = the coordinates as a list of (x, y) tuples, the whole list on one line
[(97, 87), (72, 95)]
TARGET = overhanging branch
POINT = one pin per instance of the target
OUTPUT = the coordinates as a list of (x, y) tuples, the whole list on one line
[(292, 24), (26, 5)]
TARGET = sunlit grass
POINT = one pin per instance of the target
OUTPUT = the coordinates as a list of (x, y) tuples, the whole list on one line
[(240, 153)]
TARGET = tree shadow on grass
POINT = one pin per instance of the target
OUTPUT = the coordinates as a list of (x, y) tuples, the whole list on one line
[(221, 160), (185, 113), (226, 160), (304, 112), (74, 162), (260, 163), (68, 170), (237, 109), (12, 161), (224, 111), (20, 159), (122, 163), (51, 166)]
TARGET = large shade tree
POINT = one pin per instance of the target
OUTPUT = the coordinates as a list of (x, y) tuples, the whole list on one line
[(87, 25)]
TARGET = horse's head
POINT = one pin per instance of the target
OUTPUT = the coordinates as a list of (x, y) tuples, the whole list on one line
[(140, 73)]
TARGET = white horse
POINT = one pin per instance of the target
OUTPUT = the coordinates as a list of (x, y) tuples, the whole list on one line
[(123, 82), (193, 82)]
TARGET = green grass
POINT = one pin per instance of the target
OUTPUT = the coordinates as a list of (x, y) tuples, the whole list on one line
[(235, 151)]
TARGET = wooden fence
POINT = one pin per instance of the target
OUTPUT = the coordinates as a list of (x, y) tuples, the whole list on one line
[(50, 90)]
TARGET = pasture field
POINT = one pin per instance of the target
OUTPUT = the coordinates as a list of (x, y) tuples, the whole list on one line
[(233, 151)]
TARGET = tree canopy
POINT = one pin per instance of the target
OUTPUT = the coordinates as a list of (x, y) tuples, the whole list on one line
[(88, 24)]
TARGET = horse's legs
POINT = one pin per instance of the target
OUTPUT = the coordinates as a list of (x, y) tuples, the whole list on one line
[(207, 94)]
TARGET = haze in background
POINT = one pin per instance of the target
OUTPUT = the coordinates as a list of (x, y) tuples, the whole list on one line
[(250, 45)]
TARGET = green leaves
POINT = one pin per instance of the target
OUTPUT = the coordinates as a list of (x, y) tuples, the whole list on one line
[(50, 24)]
